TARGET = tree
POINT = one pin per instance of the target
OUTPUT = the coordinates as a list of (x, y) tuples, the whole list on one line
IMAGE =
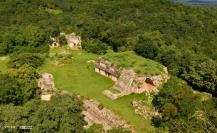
[(31, 59), (62, 114), (202, 74), (182, 110), (62, 40), (95, 46), (10, 91)]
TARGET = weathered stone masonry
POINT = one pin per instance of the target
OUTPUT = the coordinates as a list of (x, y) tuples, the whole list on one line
[(103, 116), (107, 69), (127, 81)]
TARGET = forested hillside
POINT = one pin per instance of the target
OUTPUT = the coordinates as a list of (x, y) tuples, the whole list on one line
[(182, 38)]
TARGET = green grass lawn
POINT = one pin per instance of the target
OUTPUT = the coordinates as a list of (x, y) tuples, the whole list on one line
[(79, 77), (139, 64)]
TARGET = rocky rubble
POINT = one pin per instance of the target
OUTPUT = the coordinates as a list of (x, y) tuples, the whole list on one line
[(105, 117)]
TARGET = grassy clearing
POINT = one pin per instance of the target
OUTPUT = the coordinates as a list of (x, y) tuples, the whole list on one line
[(80, 77), (54, 11), (3, 63), (131, 60)]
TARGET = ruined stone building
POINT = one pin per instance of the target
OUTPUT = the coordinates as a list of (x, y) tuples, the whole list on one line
[(105, 117), (130, 82), (73, 41), (46, 84), (107, 69), (55, 42), (127, 81)]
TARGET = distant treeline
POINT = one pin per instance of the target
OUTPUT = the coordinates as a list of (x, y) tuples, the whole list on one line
[(183, 38)]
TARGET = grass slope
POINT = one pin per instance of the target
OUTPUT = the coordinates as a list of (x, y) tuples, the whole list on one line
[(80, 77), (130, 60)]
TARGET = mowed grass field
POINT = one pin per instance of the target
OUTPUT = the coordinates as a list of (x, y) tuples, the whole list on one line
[(79, 77)]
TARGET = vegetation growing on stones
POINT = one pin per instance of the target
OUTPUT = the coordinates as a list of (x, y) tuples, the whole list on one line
[(182, 38)]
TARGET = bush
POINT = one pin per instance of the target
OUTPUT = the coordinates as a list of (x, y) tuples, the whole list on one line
[(31, 59), (62, 40), (10, 91), (95, 46)]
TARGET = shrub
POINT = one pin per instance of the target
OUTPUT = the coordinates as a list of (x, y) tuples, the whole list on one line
[(95, 46), (31, 59)]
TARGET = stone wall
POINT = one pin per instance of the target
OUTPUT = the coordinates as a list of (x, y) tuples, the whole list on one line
[(46, 84), (103, 116), (73, 41), (144, 110), (127, 81), (105, 68), (104, 73)]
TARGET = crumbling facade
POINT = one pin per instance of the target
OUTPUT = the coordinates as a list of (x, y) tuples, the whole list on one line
[(46, 84), (107, 69), (73, 41), (127, 81), (108, 120), (55, 42)]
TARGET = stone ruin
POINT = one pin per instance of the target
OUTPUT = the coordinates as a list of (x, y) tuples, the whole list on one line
[(73, 41), (46, 83), (107, 69), (106, 118), (55, 42), (144, 110), (127, 81)]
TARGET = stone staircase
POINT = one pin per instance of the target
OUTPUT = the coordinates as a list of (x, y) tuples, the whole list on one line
[(125, 80)]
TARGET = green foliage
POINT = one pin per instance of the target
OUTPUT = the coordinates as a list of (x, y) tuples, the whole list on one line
[(24, 39), (130, 60), (95, 128), (10, 90), (95, 46), (183, 110), (31, 59), (62, 40), (148, 45), (202, 74), (163, 35), (54, 11), (27, 77), (83, 80), (119, 130), (98, 129), (62, 114), (19, 85)]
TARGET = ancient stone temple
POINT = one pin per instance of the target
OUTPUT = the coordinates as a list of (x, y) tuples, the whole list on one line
[(107, 69), (127, 81), (46, 83), (73, 41)]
